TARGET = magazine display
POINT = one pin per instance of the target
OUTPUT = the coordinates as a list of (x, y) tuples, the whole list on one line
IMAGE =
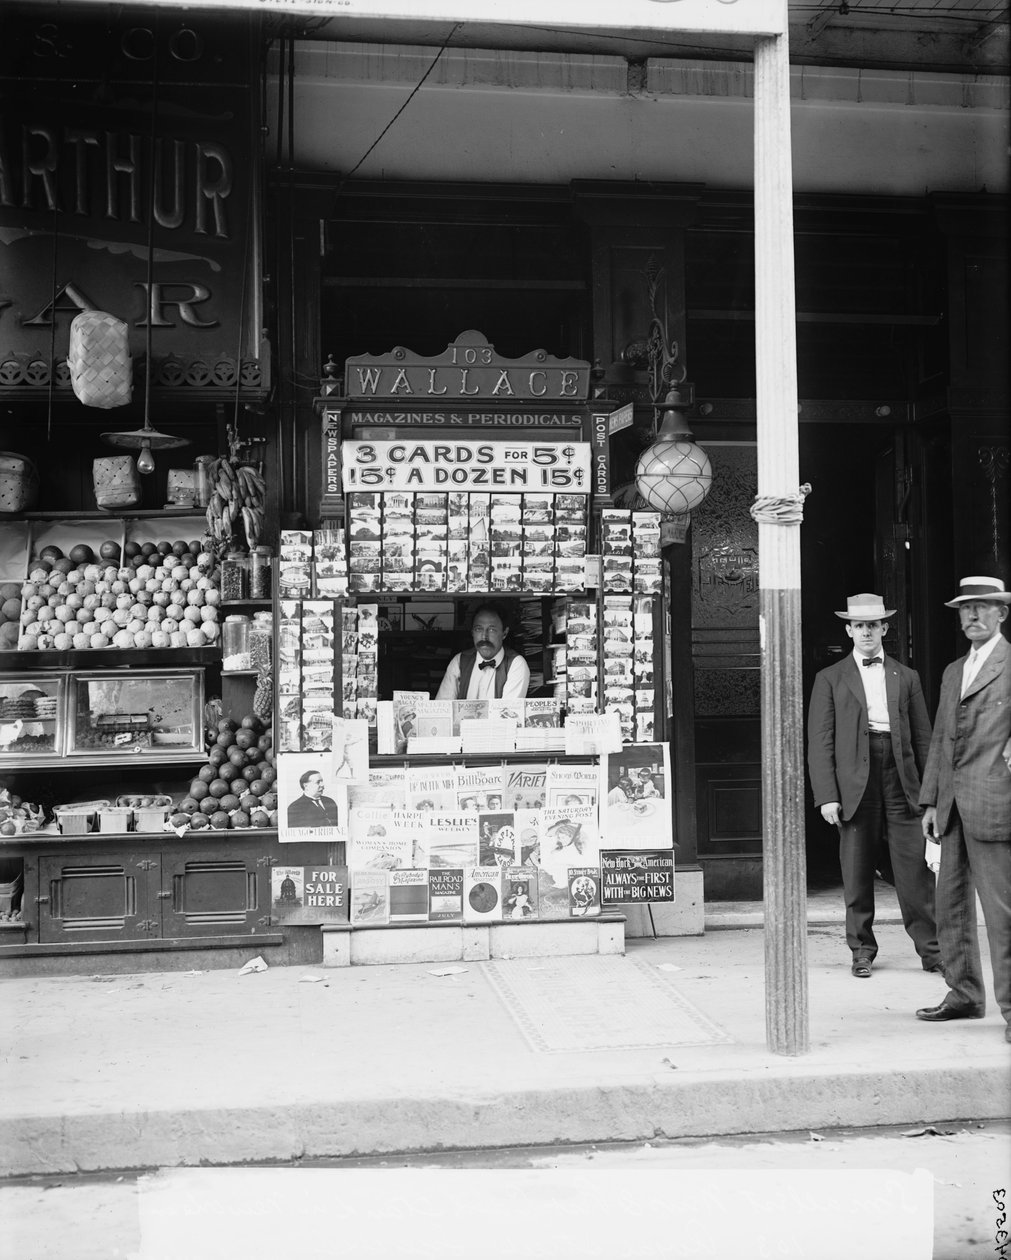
[(450, 839), (482, 894), (445, 895), (408, 896), (370, 898)]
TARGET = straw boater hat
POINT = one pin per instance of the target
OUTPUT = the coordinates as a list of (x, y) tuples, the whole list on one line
[(987, 588), (865, 607)]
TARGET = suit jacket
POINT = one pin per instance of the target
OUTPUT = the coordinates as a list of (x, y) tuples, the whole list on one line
[(303, 813), (838, 746), (971, 735)]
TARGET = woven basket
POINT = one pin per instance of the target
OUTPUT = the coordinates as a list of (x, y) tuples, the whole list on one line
[(99, 360), (116, 481), (19, 482)]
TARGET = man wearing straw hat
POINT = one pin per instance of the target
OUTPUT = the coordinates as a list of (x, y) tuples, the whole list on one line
[(967, 794), (868, 737)]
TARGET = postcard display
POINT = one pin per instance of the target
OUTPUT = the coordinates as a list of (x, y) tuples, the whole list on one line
[(474, 811)]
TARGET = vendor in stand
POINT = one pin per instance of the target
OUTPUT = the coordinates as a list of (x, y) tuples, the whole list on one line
[(488, 670)]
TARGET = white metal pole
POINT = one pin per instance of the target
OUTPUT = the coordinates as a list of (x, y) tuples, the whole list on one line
[(784, 862)]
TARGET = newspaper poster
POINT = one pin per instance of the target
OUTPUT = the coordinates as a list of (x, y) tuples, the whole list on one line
[(636, 809), (312, 802), (636, 876)]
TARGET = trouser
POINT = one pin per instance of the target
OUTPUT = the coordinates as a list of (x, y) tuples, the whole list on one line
[(884, 808), (969, 866)]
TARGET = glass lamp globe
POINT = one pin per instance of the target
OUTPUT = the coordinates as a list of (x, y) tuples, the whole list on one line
[(673, 475)]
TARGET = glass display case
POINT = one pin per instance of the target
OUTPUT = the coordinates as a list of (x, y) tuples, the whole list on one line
[(156, 713), (31, 712)]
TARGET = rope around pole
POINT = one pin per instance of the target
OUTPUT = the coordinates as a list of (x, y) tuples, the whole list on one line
[(769, 509)]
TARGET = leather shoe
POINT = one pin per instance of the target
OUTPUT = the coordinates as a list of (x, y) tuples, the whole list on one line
[(861, 967), (938, 1014)]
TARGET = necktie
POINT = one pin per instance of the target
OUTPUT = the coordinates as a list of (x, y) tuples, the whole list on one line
[(871, 660), (487, 665)]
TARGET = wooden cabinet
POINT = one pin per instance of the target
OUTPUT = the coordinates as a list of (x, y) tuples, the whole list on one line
[(94, 891)]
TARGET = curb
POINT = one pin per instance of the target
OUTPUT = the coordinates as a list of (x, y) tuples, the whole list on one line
[(698, 1105)]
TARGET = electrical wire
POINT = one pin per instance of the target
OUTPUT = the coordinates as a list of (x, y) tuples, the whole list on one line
[(414, 91)]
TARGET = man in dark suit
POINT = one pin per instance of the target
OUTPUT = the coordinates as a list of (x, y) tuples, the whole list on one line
[(312, 808), (868, 737), (967, 794)]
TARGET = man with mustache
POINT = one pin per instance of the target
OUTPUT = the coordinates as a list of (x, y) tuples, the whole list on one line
[(868, 738), (488, 670)]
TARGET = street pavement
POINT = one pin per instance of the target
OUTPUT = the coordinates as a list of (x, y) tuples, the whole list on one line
[(155, 1070), (920, 1193)]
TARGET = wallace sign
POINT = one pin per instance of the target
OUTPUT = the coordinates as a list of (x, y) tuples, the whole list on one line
[(468, 369)]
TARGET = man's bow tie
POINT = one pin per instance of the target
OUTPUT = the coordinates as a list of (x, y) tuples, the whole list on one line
[(487, 665), (872, 660)]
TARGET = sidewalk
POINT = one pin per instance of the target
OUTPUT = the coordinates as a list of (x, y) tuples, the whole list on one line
[(129, 1071)]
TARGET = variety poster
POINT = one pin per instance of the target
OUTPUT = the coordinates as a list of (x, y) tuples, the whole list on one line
[(636, 808)]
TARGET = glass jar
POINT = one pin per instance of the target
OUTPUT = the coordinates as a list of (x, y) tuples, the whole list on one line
[(202, 487), (235, 644), (235, 576), (261, 635), (259, 573)]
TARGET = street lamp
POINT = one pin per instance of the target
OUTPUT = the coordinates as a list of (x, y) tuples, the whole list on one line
[(674, 474)]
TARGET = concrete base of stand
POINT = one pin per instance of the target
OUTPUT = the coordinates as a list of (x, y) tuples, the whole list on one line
[(472, 942), (685, 916)]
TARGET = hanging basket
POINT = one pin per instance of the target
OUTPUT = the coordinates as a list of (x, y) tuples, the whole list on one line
[(101, 370)]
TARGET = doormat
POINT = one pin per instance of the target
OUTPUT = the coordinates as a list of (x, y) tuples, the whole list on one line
[(598, 1002)]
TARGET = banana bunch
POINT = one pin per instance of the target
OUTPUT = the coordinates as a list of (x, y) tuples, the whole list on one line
[(239, 493)]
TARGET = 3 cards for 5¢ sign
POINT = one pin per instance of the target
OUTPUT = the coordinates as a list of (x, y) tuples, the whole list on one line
[(461, 465)]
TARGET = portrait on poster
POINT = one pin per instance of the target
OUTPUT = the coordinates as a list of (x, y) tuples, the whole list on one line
[(635, 802), (312, 799)]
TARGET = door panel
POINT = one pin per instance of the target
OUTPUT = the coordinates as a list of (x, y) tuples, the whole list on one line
[(106, 898)]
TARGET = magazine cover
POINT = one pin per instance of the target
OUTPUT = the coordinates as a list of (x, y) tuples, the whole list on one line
[(429, 788), (408, 896), (445, 895), (507, 710), (433, 719), (312, 804), (450, 839), (636, 810), (496, 839), (584, 891), (308, 894), (482, 894), (480, 788), (542, 712), (569, 837), (519, 887), (405, 706), (370, 898), (525, 785), (385, 786), (569, 785), (468, 711), (527, 844), (375, 842)]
